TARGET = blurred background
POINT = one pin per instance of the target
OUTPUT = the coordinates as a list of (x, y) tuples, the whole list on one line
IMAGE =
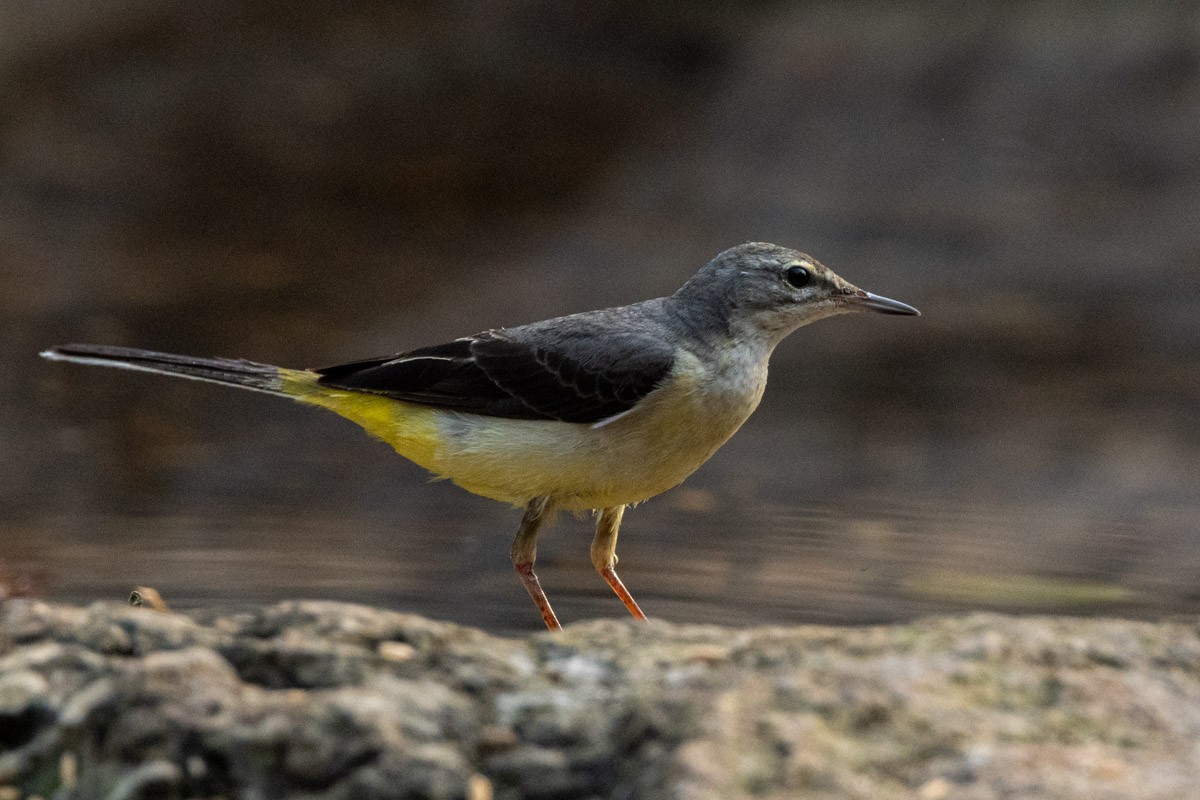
[(307, 183)]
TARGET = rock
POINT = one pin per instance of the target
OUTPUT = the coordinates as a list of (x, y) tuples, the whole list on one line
[(153, 779), (329, 700)]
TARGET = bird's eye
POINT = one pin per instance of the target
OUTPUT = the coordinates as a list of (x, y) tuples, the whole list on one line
[(798, 276)]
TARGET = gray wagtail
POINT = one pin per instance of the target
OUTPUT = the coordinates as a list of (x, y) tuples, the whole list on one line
[(593, 411)]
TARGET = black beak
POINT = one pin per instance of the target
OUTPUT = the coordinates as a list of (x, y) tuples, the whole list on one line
[(884, 305)]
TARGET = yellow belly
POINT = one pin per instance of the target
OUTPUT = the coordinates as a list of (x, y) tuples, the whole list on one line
[(649, 450)]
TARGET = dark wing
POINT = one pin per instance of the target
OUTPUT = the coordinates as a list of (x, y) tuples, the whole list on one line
[(581, 378)]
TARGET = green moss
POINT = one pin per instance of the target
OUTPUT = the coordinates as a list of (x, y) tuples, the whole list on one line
[(1013, 590)]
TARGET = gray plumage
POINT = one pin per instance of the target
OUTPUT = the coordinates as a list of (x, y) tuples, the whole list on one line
[(591, 366)]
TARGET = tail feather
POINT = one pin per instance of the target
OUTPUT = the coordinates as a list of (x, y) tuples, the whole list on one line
[(228, 371)]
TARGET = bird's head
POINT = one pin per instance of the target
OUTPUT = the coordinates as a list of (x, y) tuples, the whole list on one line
[(772, 290)]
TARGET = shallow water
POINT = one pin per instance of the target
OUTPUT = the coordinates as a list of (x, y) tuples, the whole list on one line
[(700, 554)]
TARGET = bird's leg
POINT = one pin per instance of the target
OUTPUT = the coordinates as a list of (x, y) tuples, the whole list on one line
[(524, 553), (604, 556)]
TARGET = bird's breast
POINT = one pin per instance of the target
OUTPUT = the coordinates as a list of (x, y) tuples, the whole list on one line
[(706, 400)]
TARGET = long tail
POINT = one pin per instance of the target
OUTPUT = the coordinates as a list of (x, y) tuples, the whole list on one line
[(228, 371)]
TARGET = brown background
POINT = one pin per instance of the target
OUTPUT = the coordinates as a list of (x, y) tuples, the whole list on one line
[(303, 185)]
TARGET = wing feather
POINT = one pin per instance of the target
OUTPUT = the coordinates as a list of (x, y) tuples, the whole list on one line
[(510, 373)]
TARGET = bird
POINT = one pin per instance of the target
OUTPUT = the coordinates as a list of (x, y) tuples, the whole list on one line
[(591, 412)]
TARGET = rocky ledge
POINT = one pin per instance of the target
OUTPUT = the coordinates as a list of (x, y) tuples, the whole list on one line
[(327, 700)]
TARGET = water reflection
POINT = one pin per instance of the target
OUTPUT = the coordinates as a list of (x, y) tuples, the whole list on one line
[(687, 560)]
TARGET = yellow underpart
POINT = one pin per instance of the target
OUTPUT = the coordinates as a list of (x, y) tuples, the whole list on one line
[(580, 466), (411, 429)]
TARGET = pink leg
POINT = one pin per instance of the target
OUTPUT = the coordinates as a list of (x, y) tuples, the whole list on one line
[(604, 556), (524, 554)]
